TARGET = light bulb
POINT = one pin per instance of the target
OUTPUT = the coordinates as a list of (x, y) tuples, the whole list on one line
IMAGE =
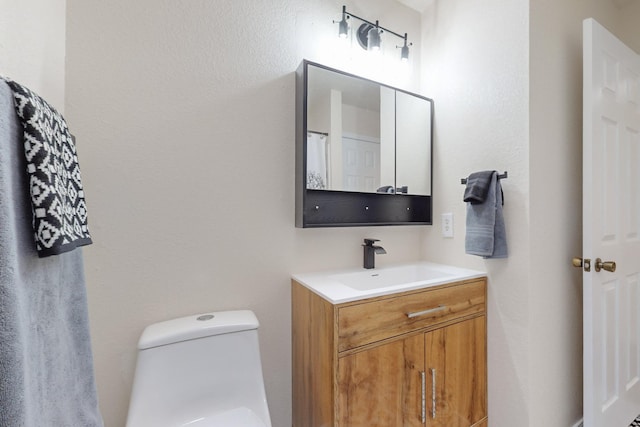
[(343, 28), (404, 53), (373, 39)]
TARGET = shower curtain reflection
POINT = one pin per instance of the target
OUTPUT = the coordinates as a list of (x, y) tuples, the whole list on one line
[(317, 161)]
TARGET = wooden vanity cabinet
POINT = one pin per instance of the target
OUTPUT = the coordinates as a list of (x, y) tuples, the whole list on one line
[(416, 358)]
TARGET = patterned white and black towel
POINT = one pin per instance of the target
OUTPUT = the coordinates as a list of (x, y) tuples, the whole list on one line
[(57, 198), (636, 422)]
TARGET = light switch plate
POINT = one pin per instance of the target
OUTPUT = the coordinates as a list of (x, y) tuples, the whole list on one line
[(447, 225)]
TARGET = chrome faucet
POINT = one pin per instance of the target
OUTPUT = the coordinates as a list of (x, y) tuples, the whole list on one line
[(370, 251)]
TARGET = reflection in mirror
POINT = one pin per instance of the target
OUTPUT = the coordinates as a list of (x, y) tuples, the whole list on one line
[(366, 137), (413, 152), (317, 153), (344, 142)]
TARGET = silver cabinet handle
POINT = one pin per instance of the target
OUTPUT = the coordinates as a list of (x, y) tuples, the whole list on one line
[(433, 393), (428, 311), (423, 414)]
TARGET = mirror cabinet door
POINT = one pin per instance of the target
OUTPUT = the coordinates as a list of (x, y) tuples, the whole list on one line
[(344, 133), (413, 144)]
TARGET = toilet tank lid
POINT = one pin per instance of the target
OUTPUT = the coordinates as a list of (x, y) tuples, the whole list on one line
[(197, 326)]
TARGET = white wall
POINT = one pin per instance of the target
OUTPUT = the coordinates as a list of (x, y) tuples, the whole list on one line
[(32, 46), (184, 112), (476, 69), (506, 76), (628, 25), (556, 197), (555, 288)]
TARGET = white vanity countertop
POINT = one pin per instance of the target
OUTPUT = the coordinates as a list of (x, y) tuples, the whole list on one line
[(339, 286)]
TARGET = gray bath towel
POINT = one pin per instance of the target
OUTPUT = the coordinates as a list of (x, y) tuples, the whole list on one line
[(46, 366), (486, 234)]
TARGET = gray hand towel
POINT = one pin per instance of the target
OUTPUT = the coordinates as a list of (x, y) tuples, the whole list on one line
[(486, 233), (477, 188), (46, 365)]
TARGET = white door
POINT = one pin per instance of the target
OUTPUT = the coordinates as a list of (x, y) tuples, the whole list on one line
[(361, 164), (611, 229)]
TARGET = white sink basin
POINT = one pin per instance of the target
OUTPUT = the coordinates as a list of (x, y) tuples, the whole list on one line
[(358, 283), (392, 276)]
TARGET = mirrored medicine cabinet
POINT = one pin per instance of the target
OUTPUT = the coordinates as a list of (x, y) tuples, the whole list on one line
[(363, 151)]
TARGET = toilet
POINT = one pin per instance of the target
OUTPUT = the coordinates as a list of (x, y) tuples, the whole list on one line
[(200, 371)]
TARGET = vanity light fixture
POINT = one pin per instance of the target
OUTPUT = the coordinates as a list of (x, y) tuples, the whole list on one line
[(404, 52), (344, 26), (373, 38), (368, 34)]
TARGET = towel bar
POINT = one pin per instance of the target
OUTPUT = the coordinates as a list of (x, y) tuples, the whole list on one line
[(503, 176)]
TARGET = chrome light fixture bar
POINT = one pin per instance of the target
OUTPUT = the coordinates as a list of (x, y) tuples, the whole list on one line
[(369, 33)]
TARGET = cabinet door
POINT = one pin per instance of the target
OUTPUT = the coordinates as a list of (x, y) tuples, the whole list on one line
[(382, 386), (456, 371)]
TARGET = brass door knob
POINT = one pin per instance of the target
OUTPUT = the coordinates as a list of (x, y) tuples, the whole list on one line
[(605, 265)]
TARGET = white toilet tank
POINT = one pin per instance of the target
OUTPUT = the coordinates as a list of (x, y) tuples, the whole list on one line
[(200, 371)]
